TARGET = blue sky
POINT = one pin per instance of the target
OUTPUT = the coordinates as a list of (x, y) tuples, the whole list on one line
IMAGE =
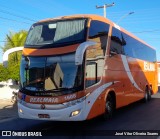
[(144, 23)]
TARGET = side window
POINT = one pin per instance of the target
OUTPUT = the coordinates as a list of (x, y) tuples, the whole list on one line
[(94, 65), (91, 70), (98, 32), (128, 46), (136, 49), (116, 42)]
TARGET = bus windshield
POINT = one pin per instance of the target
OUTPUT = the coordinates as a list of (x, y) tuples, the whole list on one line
[(57, 75), (57, 32)]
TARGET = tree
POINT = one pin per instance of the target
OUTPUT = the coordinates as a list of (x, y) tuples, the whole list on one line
[(3, 73), (14, 40)]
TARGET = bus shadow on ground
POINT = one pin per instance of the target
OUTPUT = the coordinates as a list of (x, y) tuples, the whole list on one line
[(97, 123), (8, 110)]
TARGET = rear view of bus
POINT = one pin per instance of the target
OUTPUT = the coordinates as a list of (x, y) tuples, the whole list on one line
[(67, 71)]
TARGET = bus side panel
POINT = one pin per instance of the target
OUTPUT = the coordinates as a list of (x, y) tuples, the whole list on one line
[(139, 80), (144, 73), (115, 72), (127, 83), (97, 108)]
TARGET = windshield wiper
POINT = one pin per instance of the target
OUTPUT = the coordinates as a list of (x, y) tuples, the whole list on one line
[(64, 89), (59, 89)]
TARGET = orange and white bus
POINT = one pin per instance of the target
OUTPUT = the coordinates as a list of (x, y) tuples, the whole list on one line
[(75, 68), (158, 64)]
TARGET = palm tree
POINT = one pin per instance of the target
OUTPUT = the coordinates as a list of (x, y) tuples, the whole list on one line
[(14, 40)]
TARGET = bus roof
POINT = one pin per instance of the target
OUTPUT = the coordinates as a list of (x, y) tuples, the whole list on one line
[(96, 17)]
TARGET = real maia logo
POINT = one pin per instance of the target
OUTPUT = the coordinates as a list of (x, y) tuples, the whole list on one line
[(43, 100)]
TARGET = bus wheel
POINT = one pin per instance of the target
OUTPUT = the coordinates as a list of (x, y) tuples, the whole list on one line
[(147, 95), (109, 107)]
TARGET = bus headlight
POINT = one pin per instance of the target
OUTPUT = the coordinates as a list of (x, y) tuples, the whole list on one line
[(74, 113), (20, 111)]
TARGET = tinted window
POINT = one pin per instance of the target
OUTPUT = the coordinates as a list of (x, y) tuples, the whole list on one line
[(98, 32), (57, 32), (98, 28), (94, 65), (136, 49), (116, 42), (54, 74), (91, 71)]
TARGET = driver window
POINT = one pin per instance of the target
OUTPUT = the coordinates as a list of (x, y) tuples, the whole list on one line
[(98, 32), (94, 65), (116, 42), (91, 77)]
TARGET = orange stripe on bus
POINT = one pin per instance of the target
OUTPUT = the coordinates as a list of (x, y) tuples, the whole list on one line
[(50, 51), (51, 100)]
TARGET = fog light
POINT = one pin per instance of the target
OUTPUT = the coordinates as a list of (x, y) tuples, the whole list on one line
[(20, 110), (74, 113)]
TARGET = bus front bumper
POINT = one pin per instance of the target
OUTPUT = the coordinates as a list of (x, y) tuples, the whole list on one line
[(72, 113)]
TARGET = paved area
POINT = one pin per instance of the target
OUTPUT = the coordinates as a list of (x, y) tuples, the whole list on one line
[(7, 109), (135, 117)]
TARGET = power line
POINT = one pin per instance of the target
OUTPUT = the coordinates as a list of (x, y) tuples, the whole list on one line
[(26, 18), (12, 41), (13, 20), (4, 6), (149, 11), (156, 30)]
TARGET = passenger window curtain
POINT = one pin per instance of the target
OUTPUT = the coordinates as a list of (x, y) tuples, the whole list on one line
[(68, 31)]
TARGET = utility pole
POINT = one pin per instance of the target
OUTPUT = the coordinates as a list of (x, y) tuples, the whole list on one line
[(104, 8)]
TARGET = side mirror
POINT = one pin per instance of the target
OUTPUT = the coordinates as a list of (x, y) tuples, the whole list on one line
[(81, 50), (9, 51)]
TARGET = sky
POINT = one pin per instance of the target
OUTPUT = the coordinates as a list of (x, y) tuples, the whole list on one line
[(16, 15)]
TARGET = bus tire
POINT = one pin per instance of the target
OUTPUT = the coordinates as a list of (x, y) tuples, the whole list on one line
[(147, 95), (109, 107)]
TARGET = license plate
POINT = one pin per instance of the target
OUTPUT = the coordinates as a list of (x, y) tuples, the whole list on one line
[(43, 116)]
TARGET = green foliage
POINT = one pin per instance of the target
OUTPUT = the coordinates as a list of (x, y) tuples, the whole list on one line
[(14, 40), (4, 73), (14, 65), (13, 71)]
